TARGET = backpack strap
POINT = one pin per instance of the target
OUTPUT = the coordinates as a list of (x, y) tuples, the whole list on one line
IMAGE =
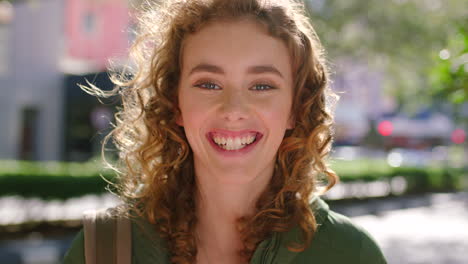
[(124, 241), (89, 227), (107, 237)]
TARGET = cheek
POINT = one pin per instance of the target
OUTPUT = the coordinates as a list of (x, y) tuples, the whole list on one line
[(277, 111), (192, 121), (192, 114), (277, 121), (186, 107)]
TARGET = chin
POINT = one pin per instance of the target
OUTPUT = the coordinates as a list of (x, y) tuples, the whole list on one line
[(234, 175)]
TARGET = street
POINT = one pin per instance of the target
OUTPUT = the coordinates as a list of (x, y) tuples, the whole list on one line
[(430, 228), (425, 229)]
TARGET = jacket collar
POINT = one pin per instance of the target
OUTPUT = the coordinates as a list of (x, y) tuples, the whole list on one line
[(320, 209), (275, 249), (149, 246)]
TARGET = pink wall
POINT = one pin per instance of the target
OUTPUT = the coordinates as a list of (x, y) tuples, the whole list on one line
[(97, 30)]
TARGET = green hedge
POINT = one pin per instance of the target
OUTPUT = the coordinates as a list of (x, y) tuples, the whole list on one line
[(362, 170), (432, 179), (62, 180), (52, 179), (419, 179)]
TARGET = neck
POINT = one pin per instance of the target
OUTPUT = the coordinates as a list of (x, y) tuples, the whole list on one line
[(219, 206), (226, 201)]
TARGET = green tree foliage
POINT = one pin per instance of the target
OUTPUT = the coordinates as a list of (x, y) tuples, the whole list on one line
[(396, 37), (450, 74)]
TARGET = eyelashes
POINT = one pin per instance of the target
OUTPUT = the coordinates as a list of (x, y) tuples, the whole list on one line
[(262, 87), (208, 85)]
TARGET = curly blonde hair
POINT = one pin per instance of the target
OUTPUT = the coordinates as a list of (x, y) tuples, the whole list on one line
[(157, 174)]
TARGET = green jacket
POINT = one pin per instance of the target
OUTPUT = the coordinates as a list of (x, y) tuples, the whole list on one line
[(337, 241)]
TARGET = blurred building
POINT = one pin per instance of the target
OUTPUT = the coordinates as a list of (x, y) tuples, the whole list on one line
[(95, 31), (46, 45), (31, 82), (361, 100)]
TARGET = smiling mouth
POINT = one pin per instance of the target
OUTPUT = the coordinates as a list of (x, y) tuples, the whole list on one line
[(231, 143)]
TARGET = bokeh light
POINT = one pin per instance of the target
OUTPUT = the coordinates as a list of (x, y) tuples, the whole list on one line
[(385, 128), (458, 136), (395, 159), (444, 54)]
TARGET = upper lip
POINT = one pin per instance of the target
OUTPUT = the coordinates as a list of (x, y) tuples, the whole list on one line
[(230, 133)]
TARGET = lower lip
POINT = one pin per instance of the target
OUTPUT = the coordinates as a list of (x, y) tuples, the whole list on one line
[(234, 153)]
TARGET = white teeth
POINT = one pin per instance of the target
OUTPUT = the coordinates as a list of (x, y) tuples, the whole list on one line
[(229, 143)]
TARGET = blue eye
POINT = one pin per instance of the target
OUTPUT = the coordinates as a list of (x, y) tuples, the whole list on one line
[(208, 86), (262, 87)]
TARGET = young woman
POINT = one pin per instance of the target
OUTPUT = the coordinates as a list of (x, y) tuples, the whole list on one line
[(224, 131)]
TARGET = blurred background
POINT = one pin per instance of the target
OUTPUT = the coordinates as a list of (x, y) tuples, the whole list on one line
[(399, 66)]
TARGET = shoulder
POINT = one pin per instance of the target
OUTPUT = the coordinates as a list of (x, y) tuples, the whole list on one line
[(97, 224), (340, 234), (147, 246), (339, 240)]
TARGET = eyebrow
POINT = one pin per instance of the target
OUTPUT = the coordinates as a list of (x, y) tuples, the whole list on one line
[(257, 69)]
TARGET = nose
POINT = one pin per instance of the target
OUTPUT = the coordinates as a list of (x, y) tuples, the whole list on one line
[(234, 106)]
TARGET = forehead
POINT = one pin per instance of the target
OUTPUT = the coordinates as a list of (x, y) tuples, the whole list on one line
[(235, 44)]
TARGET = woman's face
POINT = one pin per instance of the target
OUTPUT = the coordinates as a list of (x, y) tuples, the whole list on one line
[(235, 95)]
